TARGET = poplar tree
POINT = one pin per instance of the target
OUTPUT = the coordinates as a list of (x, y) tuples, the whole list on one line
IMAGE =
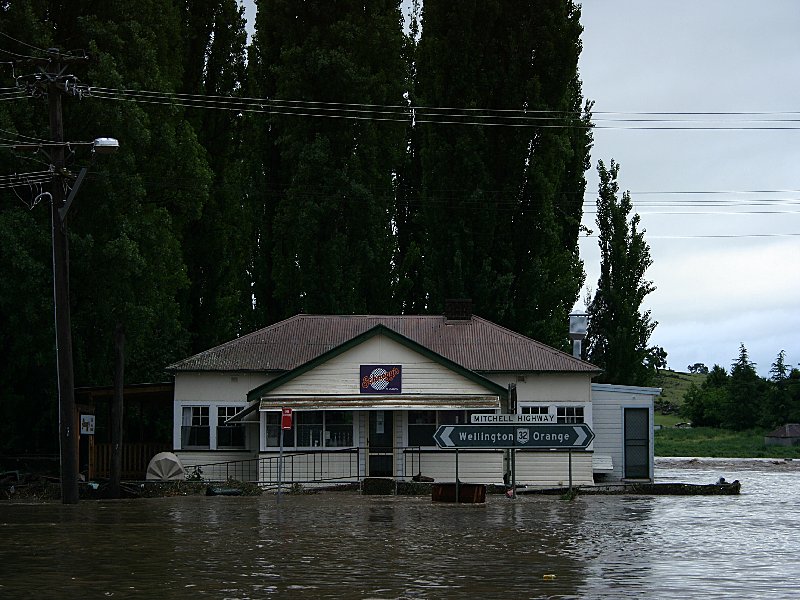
[(328, 176), (216, 245), (127, 262), (501, 204), (619, 328), (28, 415), (125, 223)]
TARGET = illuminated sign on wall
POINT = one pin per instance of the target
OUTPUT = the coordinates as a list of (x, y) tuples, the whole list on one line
[(380, 379)]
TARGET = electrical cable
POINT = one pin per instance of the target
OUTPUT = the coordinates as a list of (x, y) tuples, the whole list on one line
[(14, 54), (42, 50), (438, 115)]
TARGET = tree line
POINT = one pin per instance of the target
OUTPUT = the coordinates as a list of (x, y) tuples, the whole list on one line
[(370, 165), (740, 399)]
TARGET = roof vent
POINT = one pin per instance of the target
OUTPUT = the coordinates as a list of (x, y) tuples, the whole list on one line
[(458, 309)]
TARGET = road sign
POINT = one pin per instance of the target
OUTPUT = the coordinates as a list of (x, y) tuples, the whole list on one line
[(478, 419), (542, 437), (286, 418), (87, 424)]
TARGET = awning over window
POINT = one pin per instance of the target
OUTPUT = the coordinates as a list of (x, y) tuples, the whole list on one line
[(374, 402), (248, 415)]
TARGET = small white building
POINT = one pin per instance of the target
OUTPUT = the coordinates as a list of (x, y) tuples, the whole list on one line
[(368, 392)]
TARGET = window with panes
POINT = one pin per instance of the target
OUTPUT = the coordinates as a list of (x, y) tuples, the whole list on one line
[(422, 424), (421, 427), (229, 435), (569, 414), (274, 431), (195, 427), (535, 410), (312, 429)]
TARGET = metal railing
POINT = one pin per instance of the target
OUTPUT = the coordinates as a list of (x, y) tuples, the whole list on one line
[(315, 466), (340, 465)]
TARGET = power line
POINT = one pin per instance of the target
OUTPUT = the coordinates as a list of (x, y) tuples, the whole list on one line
[(42, 50), (28, 137), (719, 236), (441, 116), (19, 56), (522, 113)]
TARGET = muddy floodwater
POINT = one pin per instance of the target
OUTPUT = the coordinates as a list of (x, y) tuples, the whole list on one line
[(343, 545)]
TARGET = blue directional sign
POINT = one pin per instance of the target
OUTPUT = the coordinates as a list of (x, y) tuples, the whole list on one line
[(543, 437)]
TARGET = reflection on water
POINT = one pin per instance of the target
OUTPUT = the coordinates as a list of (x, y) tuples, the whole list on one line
[(346, 545)]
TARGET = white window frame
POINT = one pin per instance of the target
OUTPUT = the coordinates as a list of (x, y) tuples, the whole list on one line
[(221, 423), (290, 439), (567, 418), (188, 417), (554, 408)]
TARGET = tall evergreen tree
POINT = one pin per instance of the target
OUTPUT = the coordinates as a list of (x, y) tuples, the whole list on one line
[(501, 205), (619, 330), (128, 265), (128, 219), (216, 245), (779, 394), (328, 176), (746, 395), (28, 414)]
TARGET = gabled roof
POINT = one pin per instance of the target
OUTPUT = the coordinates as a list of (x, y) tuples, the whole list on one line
[(475, 344), (790, 430), (380, 329)]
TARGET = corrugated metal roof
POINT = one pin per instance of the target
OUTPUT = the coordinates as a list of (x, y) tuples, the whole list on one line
[(476, 344)]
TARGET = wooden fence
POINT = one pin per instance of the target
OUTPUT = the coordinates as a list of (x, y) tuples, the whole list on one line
[(135, 458)]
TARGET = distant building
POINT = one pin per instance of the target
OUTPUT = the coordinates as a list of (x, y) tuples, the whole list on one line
[(368, 393), (785, 435)]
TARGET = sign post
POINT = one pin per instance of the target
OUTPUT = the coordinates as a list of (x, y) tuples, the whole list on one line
[(286, 423), (514, 436)]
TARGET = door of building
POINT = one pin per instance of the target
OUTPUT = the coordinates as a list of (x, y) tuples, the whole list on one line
[(637, 443), (380, 444)]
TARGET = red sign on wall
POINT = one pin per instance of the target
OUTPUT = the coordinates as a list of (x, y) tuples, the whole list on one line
[(286, 418)]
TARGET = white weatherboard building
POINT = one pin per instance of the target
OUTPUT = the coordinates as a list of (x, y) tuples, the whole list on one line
[(368, 393)]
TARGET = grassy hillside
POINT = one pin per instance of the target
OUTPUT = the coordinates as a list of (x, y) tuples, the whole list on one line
[(704, 441), (722, 443), (673, 386)]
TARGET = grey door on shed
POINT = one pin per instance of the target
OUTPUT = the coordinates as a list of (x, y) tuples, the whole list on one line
[(637, 443)]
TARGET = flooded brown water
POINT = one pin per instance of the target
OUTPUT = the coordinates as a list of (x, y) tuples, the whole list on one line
[(343, 545)]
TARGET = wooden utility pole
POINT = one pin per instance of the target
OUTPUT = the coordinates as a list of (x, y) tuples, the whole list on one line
[(52, 80), (68, 439), (116, 412)]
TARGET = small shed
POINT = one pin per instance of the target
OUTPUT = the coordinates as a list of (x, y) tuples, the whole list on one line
[(785, 435)]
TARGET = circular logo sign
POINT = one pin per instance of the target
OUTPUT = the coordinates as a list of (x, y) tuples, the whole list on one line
[(378, 379)]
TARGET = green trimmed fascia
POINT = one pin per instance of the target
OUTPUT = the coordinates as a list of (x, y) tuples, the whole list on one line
[(255, 394)]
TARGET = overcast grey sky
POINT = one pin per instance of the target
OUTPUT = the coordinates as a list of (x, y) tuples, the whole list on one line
[(726, 265), (707, 56)]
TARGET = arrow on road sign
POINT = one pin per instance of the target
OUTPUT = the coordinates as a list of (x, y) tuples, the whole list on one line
[(445, 437), (581, 436)]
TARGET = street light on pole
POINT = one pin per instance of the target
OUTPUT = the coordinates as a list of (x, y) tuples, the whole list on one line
[(53, 81), (60, 206)]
